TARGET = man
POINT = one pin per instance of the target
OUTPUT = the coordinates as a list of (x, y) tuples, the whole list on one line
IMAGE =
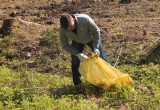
[(82, 30)]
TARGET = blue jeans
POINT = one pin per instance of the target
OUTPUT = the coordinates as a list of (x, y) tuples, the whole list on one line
[(76, 62)]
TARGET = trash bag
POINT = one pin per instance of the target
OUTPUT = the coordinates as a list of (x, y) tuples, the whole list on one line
[(100, 73)]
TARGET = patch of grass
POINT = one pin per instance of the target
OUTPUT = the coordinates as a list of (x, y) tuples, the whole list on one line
[(25, 89)]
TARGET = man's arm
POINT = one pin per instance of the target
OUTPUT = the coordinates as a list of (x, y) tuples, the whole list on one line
[(69, 48), (65, 44), (95, 31)]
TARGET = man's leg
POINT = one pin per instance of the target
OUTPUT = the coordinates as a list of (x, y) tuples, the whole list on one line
[(76, 62), (102, 54)]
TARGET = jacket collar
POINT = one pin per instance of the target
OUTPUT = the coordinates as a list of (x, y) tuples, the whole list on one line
[(76, 19)]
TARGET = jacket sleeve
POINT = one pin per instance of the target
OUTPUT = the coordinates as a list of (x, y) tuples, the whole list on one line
[(95, 31), (65, 43)]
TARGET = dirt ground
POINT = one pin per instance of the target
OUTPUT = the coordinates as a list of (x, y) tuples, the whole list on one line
[(46, 11), (135, 24)]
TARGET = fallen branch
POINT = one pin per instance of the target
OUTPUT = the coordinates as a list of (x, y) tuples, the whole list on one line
[(124, 57), (30, 23), (129, 60), (120, 50)]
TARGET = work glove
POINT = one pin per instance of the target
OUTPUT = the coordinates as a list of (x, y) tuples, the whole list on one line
[(96, 51), (82, 56)]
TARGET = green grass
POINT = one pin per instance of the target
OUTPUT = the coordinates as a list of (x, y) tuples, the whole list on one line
[(27, 89)]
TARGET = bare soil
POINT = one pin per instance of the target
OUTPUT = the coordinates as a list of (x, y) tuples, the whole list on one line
[(134, 26)]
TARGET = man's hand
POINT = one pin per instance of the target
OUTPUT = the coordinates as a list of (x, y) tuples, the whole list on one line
[(82, 56), (96, 51)]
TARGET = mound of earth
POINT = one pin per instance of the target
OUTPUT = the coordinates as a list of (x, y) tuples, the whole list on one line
[(19, 36)]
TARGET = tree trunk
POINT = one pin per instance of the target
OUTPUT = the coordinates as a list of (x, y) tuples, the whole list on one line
[(6, 27)]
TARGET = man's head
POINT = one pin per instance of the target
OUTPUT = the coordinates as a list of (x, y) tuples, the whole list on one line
[(67, 21)]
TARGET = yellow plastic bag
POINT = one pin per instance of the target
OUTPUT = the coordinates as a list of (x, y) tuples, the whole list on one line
[(99, 73)]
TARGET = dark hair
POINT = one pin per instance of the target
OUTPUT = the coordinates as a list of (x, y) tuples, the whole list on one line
[(64, 20)]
